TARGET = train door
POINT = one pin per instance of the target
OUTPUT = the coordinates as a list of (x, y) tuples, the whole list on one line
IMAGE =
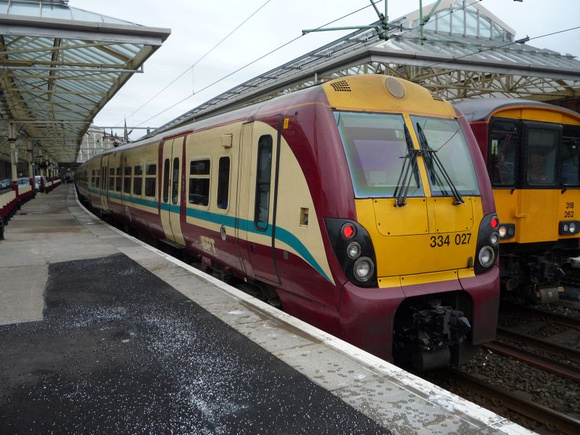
[(104, 187), (172, 209), (256, 224)]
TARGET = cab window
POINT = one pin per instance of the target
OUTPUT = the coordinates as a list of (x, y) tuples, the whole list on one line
[(377, 153), (504, 144), (446, 140)]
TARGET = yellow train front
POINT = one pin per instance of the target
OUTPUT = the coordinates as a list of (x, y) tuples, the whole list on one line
[(361, 206), (532, 153)]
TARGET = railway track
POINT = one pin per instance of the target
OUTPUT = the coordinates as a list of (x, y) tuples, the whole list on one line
[(549, 364), (547, 420), (530, 374)]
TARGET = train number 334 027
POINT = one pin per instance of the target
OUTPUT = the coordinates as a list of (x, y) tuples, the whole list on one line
[(447, 240)]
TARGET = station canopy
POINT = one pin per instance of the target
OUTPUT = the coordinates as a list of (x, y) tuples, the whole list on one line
[(58, 67), (457, 50)]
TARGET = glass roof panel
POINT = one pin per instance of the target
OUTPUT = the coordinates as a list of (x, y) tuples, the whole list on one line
[(59, 80), (56, 10)]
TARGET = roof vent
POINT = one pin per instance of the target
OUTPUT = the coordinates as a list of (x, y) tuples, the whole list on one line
[(341, 86)]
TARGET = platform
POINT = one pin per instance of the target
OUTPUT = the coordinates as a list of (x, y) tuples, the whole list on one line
[(100, 333)]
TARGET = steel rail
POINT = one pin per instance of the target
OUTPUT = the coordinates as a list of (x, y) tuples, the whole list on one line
[(538, 361), (569, 353), (531, 410)]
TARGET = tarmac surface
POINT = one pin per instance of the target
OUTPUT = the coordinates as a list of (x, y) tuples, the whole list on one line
[(100, 334), (120, 350)]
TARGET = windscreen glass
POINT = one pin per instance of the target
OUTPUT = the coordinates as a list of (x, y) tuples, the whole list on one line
[(448, 160), (542, 154), (377, 151)]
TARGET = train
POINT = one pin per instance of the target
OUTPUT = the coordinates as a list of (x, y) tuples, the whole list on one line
[(532, 155), (360, 205)]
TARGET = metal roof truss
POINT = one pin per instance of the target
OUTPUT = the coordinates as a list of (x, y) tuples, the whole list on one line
[(56, 75)]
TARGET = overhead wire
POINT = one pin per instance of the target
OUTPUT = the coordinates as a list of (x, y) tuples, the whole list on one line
[(251, 63), (410, 29), (190, 68)]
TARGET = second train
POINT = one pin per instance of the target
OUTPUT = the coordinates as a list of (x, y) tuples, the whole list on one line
[(532, 152)]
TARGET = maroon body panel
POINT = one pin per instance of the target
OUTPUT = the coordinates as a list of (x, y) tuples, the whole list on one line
[(479, 164), (484, 292)]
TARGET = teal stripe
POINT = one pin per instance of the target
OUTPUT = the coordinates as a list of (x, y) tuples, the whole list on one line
[(282, 234)]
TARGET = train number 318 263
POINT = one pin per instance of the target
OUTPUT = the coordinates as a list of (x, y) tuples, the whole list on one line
[(447, 240)]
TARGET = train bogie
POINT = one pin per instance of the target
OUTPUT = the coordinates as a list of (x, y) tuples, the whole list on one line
[(360, 206)]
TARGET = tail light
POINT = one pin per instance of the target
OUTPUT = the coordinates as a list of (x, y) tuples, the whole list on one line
[(354, 250)]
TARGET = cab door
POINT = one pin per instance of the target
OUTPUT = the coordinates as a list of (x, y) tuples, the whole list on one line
[(172, 208), (257, 192)]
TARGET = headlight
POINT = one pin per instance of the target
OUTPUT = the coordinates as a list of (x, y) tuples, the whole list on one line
[(486, 256), (363, 269), (507, 231), (353, 250), (567, 228), (494, 239)]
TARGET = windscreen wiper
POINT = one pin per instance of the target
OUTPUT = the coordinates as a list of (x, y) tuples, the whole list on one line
[(408, 171), (434, 164)]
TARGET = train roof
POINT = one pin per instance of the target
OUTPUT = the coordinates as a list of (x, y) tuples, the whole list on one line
[(481, 109), (236, 115), (262, 109)]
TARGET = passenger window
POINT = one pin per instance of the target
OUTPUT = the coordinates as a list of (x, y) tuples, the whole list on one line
[(93, 179), (138, 180), (111, 179), (119, 182), (199, 171), (223, 183), (504, 151), (150, 180), (127, 179), (175, 182), (166, 170), (263, 178)]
